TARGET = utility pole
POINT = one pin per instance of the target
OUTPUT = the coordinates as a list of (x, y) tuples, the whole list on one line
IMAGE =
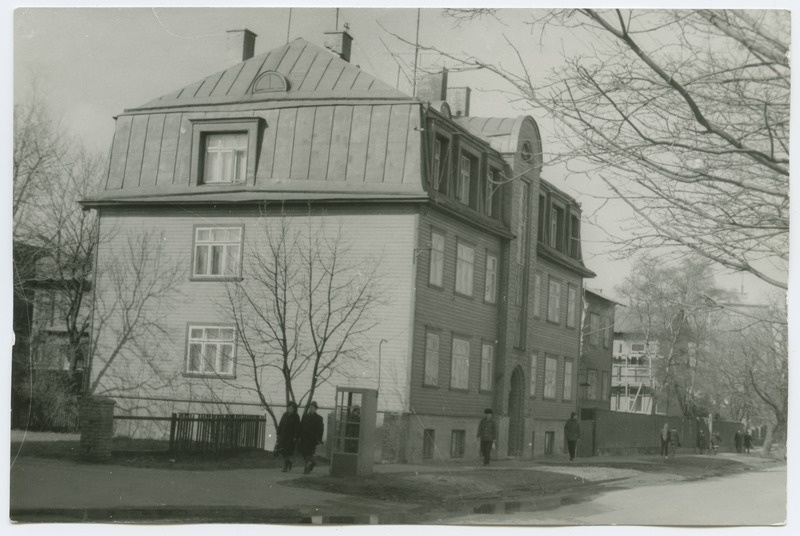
[(289, 26), (416, 56)]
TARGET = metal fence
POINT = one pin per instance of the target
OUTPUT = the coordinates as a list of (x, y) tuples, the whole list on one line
[(215, 434)]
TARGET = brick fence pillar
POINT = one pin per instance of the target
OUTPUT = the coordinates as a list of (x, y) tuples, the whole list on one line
[(97, 428)]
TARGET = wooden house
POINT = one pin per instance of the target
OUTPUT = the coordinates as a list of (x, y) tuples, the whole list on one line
[(480, 259)]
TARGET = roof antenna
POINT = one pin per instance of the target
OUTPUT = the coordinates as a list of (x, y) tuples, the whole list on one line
[(416, 54), (289, 26), (337, 19)]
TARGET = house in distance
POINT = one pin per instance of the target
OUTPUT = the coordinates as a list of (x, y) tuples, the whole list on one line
[(479, 259)]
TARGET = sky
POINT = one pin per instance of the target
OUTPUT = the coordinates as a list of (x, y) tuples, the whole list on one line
[(91, 64)]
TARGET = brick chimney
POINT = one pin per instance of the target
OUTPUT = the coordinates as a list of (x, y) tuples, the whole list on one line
[(433, 87), (241, 46), (339, 43), (458, 98)]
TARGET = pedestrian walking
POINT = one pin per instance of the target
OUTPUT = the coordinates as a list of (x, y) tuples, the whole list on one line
[(288, 434), (572, 433), (674, 442), (664, 440), (737, 440), (748, 442), (311, 431), (487, 434), (701, 441)]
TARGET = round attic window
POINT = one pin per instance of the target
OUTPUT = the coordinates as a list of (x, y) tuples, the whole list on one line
[(527, 151), (270, 81)]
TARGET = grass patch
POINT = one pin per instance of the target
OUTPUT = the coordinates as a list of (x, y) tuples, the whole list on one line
[(440, 488)]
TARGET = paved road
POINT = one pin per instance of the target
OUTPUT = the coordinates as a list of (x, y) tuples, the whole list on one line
[(718, 501)]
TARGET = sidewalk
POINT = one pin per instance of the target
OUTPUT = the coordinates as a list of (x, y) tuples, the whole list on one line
[(56, 490)]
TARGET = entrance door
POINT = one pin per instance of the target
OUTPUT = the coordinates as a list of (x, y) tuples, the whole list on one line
[(516, 413)]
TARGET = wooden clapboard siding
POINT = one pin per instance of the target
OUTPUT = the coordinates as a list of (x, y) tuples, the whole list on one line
[(451, 314), (384, 235)]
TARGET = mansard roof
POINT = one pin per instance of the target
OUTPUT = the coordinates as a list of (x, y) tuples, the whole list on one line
[(309, 71)]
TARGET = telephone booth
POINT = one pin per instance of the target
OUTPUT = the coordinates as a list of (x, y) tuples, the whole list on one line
[(354, 431)]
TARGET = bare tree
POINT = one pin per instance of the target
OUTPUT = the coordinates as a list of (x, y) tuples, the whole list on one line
[(300, 309), (684, 115), (136, 288), (674, 305)]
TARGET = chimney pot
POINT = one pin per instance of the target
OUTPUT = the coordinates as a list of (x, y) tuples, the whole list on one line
[(339, 43), (241, 46), (433, 87)]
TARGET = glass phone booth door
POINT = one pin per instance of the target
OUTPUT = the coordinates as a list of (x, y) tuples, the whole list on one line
[(354, 431)]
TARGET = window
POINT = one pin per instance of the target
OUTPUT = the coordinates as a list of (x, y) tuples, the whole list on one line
[(428, 443), (520, 329), (457, 441), (464, 176), (488, 196), (549, 439), (490, 287), (223, 150), (217, 251), (534, 358), (594, 329), (591, 379), (537, 294), (431, 359), (437, 260), (567, 393), (557, 227), (465, 261), (210, 351), (604, 386), (607, 333), (225, 158), (571, 303), (550, 371), (459, 368), (575, 237), (554, 302), (522, 221), (541, 228), (270, 81), (441, 156), (637, 347), (487, 364)]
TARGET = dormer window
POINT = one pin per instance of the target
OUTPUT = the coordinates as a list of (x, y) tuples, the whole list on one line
[(270, 81), (225, 158), (464, 175)]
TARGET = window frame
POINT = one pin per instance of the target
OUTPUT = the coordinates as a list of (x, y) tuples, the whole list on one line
[(443, 252), (466, 359), (458, 443), (533, 383), (566, 387), (592, 391), (550, 377), (553, 306), (537, 294), (605, 385), (557, 225), (428, 439), (459, 244), (490, 298), (594, 329), (187, 346), (431, 332), (572, 306), (487, 375), (201, 128), (221, 277)]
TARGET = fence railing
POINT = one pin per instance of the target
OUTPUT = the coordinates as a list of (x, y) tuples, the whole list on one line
[(215, 434)]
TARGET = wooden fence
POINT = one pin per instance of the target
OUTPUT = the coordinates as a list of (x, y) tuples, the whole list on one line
[(215, 434)]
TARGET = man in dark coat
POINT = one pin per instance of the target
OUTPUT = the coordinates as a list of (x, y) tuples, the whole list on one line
[(748, 442), (572, 433), (737, 440), (288, 433), (487, 434), (311, 430)]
